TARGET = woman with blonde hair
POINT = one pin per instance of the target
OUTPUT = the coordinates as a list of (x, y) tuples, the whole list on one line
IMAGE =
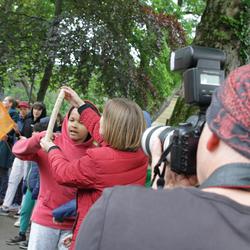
[(118, 161)]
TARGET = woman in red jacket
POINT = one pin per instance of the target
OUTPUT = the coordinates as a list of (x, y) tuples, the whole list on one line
[(118, 161), (74, 141)]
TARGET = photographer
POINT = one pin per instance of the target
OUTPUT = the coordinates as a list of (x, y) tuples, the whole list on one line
[(214, 216)]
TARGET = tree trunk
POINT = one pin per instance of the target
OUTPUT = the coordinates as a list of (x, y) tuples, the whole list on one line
[(221, 26), (52, 44), (44, 84), (27, 88)]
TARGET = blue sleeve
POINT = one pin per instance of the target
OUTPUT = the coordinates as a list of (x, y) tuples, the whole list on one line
[(36, 189), (65, 211)]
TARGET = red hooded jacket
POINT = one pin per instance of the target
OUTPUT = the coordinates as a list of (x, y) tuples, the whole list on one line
[(51, 194), (100, 168)]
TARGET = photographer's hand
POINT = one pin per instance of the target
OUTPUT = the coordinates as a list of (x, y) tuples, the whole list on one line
[(156, 155), (156, 151), (178, 180), (172, 179)]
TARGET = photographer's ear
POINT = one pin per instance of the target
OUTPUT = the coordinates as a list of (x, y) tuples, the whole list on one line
[(212, 142)]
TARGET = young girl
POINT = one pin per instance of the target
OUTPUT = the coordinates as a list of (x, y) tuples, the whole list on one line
[(38, 111), (118, 161), (74, 141)]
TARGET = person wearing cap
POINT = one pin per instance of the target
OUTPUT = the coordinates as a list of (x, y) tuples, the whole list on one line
[(216, 215), (24, 109)]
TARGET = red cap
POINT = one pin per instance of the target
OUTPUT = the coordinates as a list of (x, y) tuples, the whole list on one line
[(23, 105)]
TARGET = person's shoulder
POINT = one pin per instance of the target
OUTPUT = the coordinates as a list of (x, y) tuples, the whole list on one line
[(134, 189), (14, 114), (101, 153), (147, 198), (109, 153)]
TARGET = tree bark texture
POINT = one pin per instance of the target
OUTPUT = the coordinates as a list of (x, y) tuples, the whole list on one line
[(218, 29), (52, 44)]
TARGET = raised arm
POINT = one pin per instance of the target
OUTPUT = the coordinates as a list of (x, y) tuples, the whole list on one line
[(26, 149), (78, 173), (89, 117)]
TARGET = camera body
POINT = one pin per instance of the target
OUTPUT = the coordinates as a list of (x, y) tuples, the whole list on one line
[(202, 73), (185, 141), (181, 142)]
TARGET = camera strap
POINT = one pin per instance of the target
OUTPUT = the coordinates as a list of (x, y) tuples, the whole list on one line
[(163, 159), (234, 175)]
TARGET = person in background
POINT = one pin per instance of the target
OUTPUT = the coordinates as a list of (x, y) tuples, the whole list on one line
[(38, 111), (214, 216), (147, 118), (118, 161), (24, 109), (6, 144), (74, 141), (59, 122), (19, 167), (31, 184)]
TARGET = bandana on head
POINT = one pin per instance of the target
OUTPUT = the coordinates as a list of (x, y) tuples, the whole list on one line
[(228, 116)]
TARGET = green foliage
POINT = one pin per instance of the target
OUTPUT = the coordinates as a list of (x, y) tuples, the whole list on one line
[(163, 79), (188, 14), (182, 111), (96, 91), (102, 49), (239, 27)]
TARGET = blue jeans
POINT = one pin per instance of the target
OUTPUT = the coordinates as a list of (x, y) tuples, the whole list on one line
[(46, 238), (4, 178)]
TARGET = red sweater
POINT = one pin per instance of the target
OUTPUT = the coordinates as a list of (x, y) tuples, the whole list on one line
[(51, 194), (100, 168)]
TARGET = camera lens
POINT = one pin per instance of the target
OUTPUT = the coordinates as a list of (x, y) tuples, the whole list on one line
[(164, 133)]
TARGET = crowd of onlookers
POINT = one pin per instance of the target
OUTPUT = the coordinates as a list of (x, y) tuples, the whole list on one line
[(57, 181), (63, 177), (19, 180)]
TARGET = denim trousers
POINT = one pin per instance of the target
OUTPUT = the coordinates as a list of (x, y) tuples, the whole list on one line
[(4, 177)]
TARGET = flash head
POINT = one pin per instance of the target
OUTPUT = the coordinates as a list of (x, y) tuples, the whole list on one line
[(202, 71), (188, 57)]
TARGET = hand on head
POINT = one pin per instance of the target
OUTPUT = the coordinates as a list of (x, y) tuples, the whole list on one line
[(72, 97)]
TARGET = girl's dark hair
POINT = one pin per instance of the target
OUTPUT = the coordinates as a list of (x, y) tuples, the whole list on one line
[(88, 102), (70, 111), (40, 106), (39, 127)]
